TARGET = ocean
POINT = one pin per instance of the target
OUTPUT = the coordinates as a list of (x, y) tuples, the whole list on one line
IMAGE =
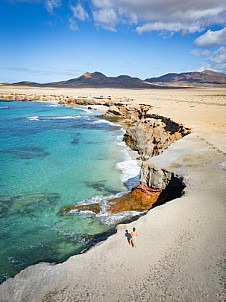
[(53, 156)]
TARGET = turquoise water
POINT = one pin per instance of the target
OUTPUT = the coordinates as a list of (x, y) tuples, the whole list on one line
[(53, 156)]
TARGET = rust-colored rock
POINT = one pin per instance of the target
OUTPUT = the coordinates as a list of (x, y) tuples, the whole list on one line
[(94, 207), (140, 199)]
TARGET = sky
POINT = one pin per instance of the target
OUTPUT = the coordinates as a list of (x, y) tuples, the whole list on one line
[(54, 40)]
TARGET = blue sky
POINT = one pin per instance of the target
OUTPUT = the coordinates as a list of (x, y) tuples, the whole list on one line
[(53, 40)]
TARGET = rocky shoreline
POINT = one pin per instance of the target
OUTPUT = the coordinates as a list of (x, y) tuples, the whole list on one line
[(63, 99), (180, 248), (149, 135)]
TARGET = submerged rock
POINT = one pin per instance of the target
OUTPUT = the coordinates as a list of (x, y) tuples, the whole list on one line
[(27, 152), (26, 203), (93, 207)]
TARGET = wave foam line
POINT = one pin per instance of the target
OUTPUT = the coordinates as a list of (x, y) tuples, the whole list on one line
[(52, 118), (129, 167)]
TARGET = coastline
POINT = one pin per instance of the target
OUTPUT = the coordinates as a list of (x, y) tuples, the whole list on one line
[(181, 241)]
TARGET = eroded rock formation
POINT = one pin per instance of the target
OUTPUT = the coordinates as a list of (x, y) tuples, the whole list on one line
[(157, 186), (148, 134), (140, 199)]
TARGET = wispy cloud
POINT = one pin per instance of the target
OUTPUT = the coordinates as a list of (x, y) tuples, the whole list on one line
[(79, 12), (106, 18), (169, 27), (50, 5), (200, 53), (73, 25), (45, 71), (217, 61)]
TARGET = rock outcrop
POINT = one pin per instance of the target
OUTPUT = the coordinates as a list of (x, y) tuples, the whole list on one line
[(94, 207), (127, 111), (152, 134), (148, 133), (157, 186), (140, 199), (154, 177)]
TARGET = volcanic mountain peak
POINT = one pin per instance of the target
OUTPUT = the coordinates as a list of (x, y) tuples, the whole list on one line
[(87, 75), (93, 75)]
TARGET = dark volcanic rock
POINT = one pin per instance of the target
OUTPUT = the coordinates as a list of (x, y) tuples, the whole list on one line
[(95, 80), (204, 77)]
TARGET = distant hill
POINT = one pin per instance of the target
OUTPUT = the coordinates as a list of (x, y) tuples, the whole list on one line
[(170, 80), (204, 77), (95, 80)]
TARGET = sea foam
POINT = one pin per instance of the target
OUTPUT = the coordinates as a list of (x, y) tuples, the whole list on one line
[(52, 118), (129, 166)]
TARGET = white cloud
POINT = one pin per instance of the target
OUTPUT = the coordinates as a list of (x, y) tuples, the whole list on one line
[(218, 61), (50, 5), (102, 3), (211, 38), (171, 27), (106, 18), (164, 15), (79, 12)]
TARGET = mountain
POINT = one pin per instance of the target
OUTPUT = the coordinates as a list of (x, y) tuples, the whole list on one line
[(204, 77), (99, 80), (95, 80)]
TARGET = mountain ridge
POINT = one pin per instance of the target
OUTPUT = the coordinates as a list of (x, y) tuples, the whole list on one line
[(195, 77), (99, 80)]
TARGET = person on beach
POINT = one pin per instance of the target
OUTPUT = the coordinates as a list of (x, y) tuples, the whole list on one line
[(133, 237)]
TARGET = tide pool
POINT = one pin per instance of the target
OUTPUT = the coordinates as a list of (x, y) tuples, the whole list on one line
[(53, 156)]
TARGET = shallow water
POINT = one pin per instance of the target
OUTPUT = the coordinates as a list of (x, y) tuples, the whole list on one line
[(54, 156)]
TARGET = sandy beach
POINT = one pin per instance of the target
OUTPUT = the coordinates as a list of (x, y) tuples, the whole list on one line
[(180, 249)]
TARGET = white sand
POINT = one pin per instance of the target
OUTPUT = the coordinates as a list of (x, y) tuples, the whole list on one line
[(180, 245)]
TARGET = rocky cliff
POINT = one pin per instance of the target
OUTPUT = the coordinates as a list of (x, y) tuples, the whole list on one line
[(157, 187), (148, 134)]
